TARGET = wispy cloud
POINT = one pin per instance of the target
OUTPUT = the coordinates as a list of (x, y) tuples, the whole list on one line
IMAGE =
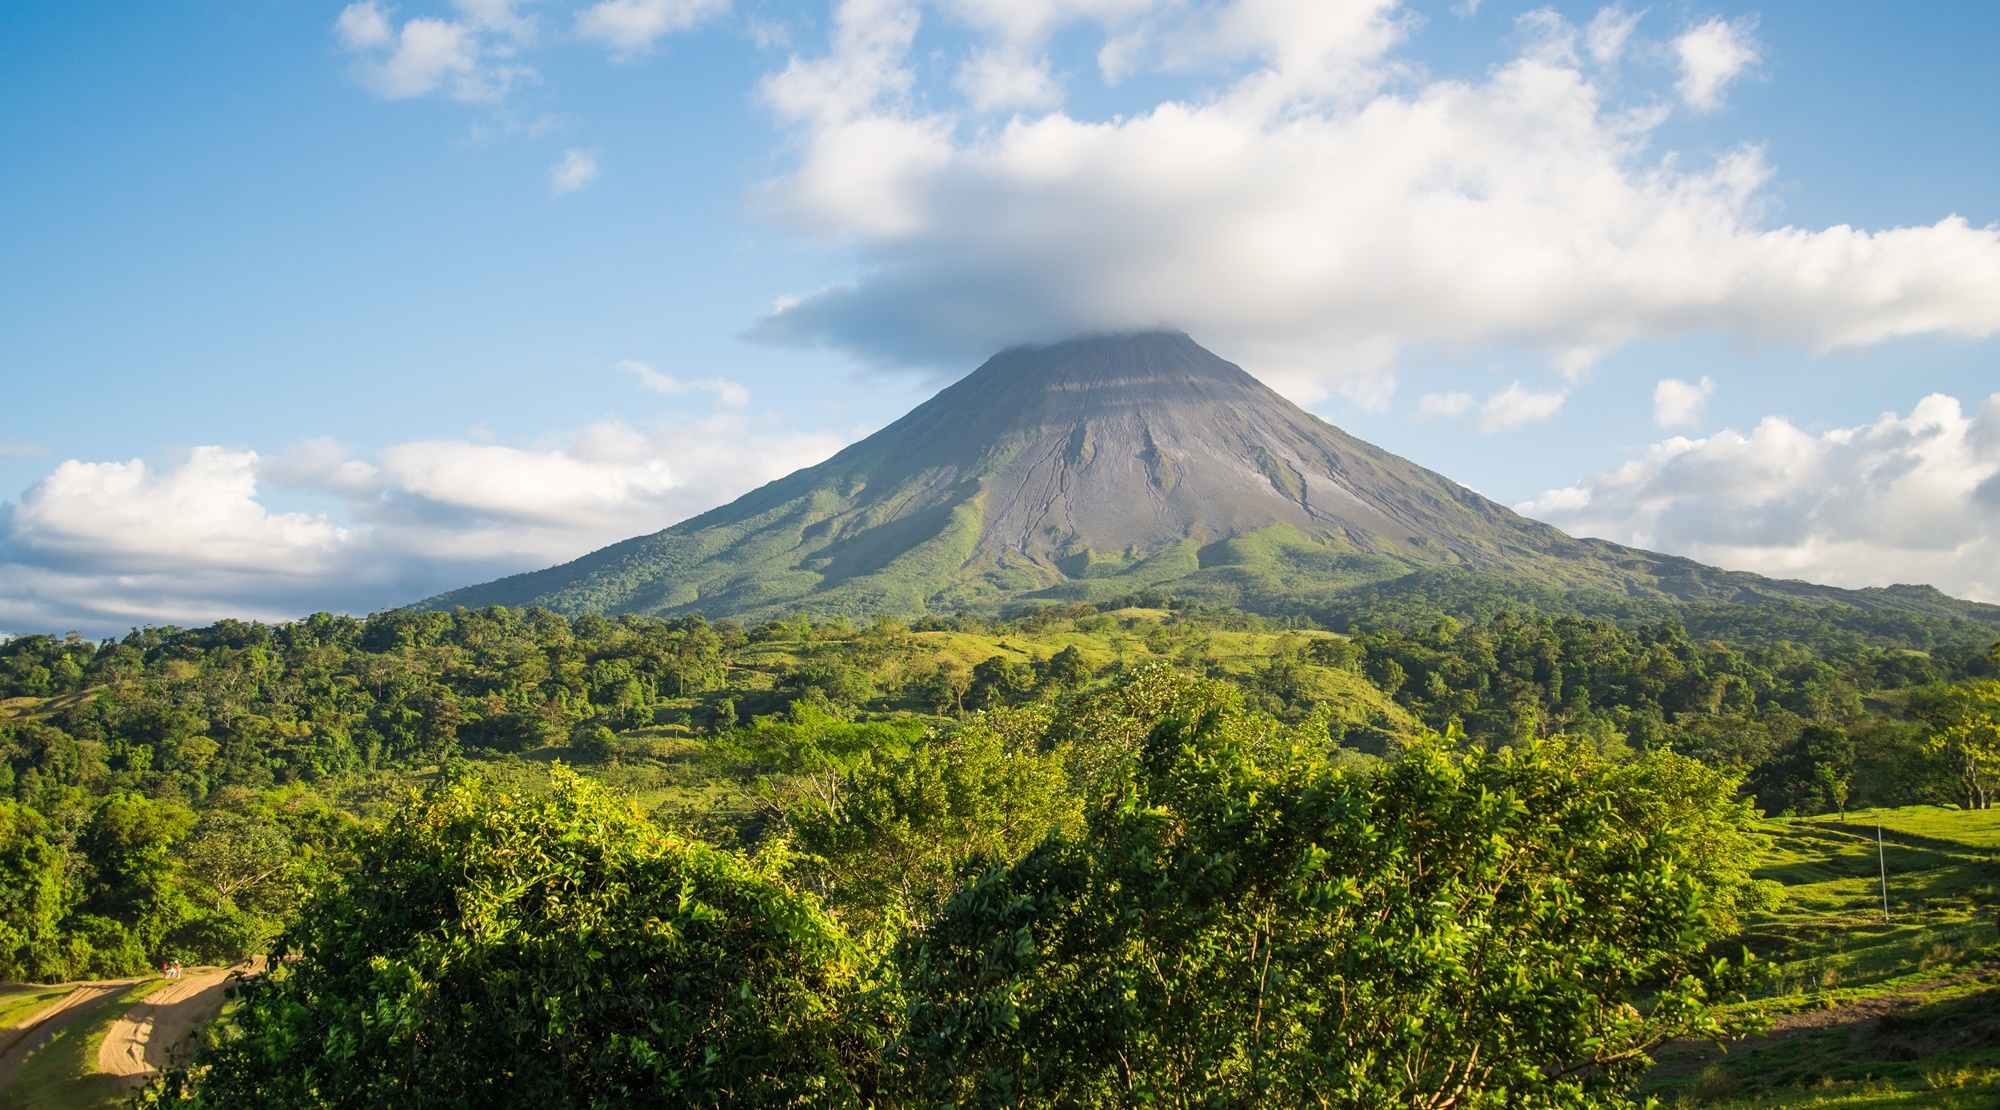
[(1445, 404), (21, 450), (1608, 32), (473, 57), (726, 391), (1517, 405), (577, 169), (631, 27)]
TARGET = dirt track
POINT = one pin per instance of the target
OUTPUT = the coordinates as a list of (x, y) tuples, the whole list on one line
[(19, 1042), (142, 1042)]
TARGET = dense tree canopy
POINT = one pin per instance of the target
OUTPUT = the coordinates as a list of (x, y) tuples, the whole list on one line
[(1146, 895), (960, 859)]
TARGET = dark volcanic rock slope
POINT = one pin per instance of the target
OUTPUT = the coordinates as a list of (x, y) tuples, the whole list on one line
[(1088, 469)]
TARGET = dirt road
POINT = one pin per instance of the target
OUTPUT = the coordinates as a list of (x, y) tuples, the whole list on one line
[(142, 1042), (21, 1041)]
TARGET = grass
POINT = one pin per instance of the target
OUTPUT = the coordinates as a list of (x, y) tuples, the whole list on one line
[(19, 1003), (1873, 1094), (63, 1075), (1963, 828), (1901, 1013)]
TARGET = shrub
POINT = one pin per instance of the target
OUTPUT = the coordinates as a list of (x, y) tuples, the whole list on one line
[(490, 950)]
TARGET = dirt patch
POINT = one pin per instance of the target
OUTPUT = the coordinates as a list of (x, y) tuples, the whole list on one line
[(145, 1040), (22, 1041)]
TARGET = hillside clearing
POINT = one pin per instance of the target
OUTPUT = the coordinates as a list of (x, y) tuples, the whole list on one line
[(1864, 1012)]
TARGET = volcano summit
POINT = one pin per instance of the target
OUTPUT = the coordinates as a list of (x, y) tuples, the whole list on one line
[(1095, 468)]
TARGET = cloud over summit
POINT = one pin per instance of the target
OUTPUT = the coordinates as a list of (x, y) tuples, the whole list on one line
[(1320, 210)]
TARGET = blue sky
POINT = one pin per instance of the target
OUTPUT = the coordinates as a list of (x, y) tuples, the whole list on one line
[(333, 306)]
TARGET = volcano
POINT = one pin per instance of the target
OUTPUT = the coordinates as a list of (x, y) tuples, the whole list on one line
[(1096, 468)]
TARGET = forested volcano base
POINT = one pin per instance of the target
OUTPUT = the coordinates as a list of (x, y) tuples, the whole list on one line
[(1161, 854)]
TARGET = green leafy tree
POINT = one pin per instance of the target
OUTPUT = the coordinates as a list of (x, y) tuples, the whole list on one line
[(999, 681), (1067, 670), (1245, 927), (135, 878), (496, 951), (893, 846), (944, 688), (595, 743), (248, 863), (693, 655), (236, 865), (831, 680), (1966, 731), (1811, 774), (34, 897)]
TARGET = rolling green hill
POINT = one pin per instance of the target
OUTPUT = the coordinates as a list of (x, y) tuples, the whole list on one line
[(1864, 1012), (1099, 467)]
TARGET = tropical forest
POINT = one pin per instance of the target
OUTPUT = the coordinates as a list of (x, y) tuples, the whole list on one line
[(1152, 852)]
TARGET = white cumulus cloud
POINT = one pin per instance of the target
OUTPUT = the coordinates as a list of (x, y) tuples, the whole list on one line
[(1711, 56), (1320, 210), (1677, 403), (102, 546), (203, 512), (1902, 499)]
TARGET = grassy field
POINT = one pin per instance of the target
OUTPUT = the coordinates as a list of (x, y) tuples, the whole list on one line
[(19, 1002), (1868, 1012)]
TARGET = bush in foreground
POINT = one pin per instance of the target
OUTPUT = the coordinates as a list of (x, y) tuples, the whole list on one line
[(497, 951), (1246, 926)]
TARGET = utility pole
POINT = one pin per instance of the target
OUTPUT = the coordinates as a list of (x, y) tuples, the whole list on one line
[(1882, 861)]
